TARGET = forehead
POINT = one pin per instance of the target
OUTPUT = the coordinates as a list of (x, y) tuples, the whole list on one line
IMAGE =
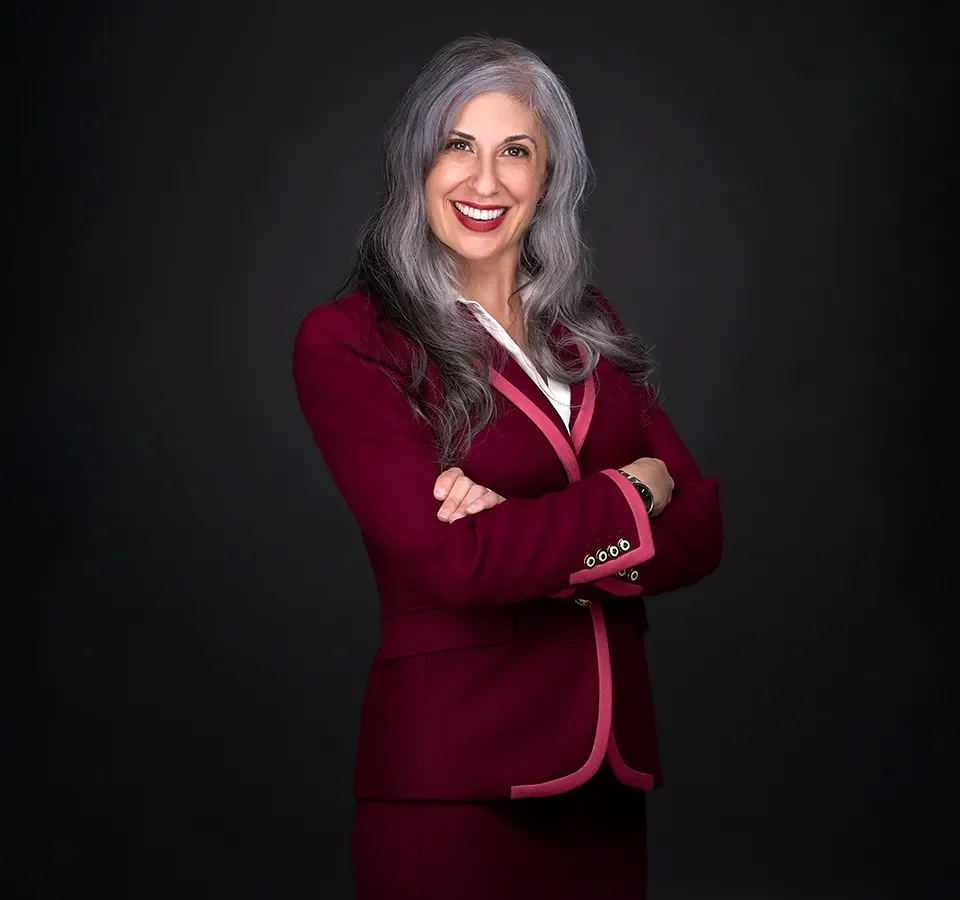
[(493, 112)]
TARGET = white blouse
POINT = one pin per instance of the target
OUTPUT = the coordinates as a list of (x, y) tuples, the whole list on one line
[(556, 392)]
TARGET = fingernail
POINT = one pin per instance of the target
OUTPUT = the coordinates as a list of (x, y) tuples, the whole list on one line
[(440, 493), (472, 507), (444, 514)]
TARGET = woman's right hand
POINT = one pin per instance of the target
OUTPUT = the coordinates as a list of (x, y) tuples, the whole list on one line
[(653, 473)]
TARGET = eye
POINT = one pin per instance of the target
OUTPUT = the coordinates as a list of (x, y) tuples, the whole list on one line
[(457, 144), (522, 151)]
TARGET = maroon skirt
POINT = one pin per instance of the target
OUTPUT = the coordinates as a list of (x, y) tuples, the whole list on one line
[(588, 843)]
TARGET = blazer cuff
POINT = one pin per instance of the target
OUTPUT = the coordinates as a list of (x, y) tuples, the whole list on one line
[(608, 559)]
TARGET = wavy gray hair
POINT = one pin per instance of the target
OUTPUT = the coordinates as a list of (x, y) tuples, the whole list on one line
[(408, 272)]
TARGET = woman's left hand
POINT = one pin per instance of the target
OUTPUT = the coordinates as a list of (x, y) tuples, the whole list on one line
[(461, 496)]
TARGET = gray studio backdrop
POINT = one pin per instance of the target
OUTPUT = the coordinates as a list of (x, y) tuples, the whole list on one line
[(765, 215)]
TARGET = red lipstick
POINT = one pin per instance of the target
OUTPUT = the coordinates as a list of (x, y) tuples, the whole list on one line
[(474, 224)]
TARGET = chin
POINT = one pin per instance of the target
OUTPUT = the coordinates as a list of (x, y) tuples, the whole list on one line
[(472, 247), (475, 254)]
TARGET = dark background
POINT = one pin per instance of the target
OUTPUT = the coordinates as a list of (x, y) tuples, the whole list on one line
[(770, 213)]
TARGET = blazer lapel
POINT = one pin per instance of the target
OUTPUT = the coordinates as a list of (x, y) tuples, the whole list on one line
[(514, 383)]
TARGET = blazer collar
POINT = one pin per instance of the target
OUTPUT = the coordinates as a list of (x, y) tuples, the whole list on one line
[(510, 379)]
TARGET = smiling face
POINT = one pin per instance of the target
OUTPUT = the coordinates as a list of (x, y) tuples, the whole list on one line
[(483, 189)]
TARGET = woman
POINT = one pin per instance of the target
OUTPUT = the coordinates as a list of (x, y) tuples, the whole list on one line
[(489, 422)]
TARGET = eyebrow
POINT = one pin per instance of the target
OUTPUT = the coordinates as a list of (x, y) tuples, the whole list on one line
[(506, 140)]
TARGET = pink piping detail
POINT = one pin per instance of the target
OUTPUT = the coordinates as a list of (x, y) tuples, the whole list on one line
[(639, 554), (560, 446), (542, 421), (604, 742), (622, 772), (585, 414), (604, 725)]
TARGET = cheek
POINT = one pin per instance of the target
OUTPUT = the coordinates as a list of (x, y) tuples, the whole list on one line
[(439, 184), (524, 186), (434, 195), (431, 189)]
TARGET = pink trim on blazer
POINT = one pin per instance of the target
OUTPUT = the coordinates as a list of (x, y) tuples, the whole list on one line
[(623, 772), (601, 736), (562, 447), (604, 742), (644, 549), (464, 586), (585, 416)]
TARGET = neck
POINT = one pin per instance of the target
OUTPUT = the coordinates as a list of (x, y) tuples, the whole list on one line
[(493, 284)]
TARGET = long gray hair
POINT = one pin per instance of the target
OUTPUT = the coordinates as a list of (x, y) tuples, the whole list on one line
[(408, 272)]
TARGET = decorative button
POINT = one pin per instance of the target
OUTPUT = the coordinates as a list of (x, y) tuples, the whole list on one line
[(622, 573), (589, 561), (614, 551), (634, 574), (601, 556), (580, 601), (624, 544)]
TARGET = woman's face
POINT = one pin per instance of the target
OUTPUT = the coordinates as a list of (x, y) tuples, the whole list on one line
[(483, 188)]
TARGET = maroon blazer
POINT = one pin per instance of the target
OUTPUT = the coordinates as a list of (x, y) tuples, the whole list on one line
[(511, 659)]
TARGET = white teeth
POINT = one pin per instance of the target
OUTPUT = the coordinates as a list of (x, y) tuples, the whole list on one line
[(481, 215)]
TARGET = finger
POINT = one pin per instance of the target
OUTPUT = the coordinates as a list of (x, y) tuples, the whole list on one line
[(487, 500), (445, 481), (454, 497), (460, 488), (474, 501), (472, 494)]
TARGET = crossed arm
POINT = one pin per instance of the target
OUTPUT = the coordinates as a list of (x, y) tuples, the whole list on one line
[(380, 458), (688, 539)]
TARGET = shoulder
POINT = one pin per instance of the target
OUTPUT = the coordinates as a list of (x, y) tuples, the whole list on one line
[(340, 320), (642, 362), (349, 325)]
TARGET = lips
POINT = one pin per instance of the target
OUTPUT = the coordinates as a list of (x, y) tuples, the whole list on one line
[(478, 225)]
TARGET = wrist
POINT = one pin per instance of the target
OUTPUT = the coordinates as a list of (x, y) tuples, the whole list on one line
[(646, 495)]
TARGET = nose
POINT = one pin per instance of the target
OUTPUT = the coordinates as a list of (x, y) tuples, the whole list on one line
[(484, 181)]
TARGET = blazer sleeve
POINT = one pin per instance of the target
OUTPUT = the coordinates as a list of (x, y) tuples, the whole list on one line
[(380, 457), (688, 534)]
